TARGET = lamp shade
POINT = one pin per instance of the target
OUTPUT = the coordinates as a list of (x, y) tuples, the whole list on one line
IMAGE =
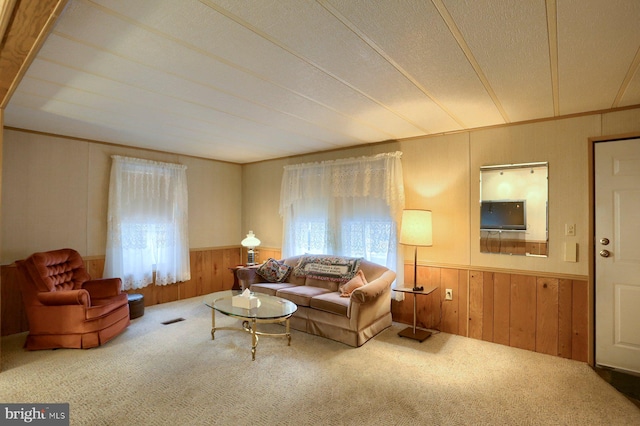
[(416, 228), (250, 241)]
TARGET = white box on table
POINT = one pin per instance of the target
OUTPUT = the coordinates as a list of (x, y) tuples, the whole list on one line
[(246, 302)]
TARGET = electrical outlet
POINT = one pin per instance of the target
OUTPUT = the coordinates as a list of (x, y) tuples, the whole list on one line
[(448, 294)]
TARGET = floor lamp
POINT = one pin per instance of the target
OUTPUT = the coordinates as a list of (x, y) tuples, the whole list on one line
[(416, 231)]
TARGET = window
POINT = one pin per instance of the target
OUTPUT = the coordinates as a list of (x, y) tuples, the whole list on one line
[(346, 207), (371, 239), (147, 223)]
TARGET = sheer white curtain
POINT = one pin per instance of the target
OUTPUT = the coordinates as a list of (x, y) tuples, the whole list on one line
[(147, 223), (350, 207)]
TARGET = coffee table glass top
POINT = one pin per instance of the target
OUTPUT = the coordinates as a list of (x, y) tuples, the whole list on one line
[(269, 307)]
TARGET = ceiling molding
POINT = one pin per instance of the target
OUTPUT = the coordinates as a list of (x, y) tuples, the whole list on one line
[(371, 144)]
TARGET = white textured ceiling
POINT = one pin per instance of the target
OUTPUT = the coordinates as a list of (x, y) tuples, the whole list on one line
[(249, 80)]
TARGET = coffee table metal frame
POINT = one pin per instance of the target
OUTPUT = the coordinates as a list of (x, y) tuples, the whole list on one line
[(272, 310)]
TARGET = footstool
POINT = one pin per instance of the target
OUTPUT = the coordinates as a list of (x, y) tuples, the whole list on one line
[(136, 305)]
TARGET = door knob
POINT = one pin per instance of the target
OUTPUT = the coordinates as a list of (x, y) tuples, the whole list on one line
[(605, 253), (604, 241)]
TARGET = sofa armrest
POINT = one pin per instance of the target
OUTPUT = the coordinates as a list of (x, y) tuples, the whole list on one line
[(103, 288), (65, 297), (371, 301), (248, 276), (371, 291)]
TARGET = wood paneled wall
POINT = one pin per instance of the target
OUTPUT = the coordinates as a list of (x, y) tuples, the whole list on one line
[(541, 314), (507, 246), (433, 312), (209, 273)]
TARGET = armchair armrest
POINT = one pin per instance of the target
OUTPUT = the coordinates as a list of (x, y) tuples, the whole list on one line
[(103, 288), (66, 297)]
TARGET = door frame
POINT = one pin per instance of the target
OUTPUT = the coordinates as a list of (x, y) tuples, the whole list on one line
[(591, 248)]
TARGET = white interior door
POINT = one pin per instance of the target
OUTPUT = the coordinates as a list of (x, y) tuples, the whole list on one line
[(617, 252)]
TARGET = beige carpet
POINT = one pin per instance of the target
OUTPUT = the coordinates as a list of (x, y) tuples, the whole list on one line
[(156, 374)]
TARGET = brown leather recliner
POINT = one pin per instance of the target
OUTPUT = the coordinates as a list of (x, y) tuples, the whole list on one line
[(65, 307)]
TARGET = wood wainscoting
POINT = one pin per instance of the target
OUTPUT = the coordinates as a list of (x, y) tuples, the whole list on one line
[(209, 273), (538, 313)]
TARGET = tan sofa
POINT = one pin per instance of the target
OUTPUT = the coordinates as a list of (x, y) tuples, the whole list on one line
[(322, 311)]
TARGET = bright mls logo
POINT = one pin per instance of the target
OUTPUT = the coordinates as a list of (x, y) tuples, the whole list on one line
[(37, 414)]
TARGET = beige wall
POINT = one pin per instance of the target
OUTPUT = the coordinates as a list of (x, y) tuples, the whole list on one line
[(55, 194), (55, 190), (436, 178), (564, 145), (442, 174)]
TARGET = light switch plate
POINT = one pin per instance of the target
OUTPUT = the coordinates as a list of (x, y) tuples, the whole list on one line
[(570, 252)]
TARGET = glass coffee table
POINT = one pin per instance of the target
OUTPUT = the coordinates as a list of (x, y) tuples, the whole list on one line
[(270, 310)]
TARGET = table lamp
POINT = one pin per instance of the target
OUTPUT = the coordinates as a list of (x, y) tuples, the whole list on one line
[(250, 243)]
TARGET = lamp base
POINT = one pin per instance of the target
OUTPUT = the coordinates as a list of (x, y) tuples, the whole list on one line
[(419, 335)]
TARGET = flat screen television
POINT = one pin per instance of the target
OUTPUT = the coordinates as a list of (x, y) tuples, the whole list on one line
[(506, 215)]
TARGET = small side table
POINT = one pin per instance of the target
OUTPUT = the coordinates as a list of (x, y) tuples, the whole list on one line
[(412, 332), (236, 283)]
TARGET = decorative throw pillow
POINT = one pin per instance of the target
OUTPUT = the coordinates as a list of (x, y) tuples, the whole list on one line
[(356, 282), (274, 271), (329, 268)]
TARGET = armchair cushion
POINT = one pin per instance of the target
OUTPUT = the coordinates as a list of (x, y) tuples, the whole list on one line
[(58, 270), (103, 307), (103, 287)]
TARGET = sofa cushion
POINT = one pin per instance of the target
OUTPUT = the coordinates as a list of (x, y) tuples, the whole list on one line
[(331, 302), (269, 288), (274, 271), (329, 268), (329, 285), (358, 281), (301, 295)]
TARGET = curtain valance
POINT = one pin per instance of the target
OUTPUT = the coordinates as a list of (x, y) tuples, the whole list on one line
[(378, 176)]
